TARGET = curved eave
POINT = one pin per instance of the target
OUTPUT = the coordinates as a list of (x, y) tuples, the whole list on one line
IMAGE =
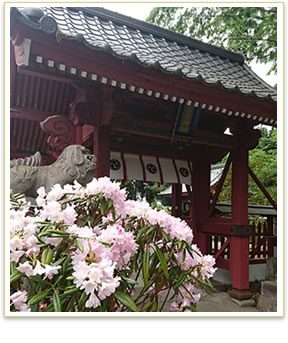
[(79, 38)]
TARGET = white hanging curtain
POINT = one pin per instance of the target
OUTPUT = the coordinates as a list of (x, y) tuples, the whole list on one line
[(149, 168)]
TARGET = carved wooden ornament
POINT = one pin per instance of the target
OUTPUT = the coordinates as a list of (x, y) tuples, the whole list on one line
[(61, 133)]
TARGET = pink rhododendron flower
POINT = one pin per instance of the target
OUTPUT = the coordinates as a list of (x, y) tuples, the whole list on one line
[(15, 255), (55, 193), (207, 270), (19, 299), (123, 244), (26, 268), (174, 307), (81, 232), (69, 215), (40, 200), (174, 227), (16, 243), (94, 271), (50, 271), (52, 211), (38, 269), (187, 296), (96, 250), (110, 190), (52, 240), (16, 248), (93, 301)]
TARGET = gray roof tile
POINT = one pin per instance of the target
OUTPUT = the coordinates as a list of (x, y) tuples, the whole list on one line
[(168, 51)]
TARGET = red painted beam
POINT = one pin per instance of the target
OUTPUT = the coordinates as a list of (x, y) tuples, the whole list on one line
[(262, 188), (134, 148), (46, 75), (130, 72), (87, 131), (221, 250), (216, 228), (223, 141), (28, 114), (219, 186)]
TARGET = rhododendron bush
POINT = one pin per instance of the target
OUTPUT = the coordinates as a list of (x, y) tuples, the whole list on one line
[(89, 249)]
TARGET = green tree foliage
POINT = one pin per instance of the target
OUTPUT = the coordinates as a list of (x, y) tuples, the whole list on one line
[(138, 190), (263, 162), (252, 30)]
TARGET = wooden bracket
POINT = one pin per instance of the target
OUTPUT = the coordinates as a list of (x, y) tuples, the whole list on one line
[(242, 230), (92, 107), (22, 53)]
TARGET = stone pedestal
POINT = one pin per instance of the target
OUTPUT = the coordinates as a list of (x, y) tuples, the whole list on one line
[(267, 301), (240, 294)]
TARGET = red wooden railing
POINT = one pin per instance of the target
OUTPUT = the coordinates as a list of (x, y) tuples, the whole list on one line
[(261, 245)]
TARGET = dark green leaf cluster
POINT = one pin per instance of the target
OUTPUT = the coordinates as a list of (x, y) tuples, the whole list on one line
[(263, 162), (251, 30)]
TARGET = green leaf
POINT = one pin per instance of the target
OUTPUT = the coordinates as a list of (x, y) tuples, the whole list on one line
[(12, 267), (192, 308), (15, 276), (162, 260), (126, 300), (113, 212), (57, 302), (145, 266), (49, 308), (59, 233), (180, 280), (103, 207), (140, 233), (82, 299), (154, 307), (165, 236), (79, 245), (47, 256), (183, 255), (128, 280), (146, 306), (71, 291), (58, 262), (38, 297), (70, 305)]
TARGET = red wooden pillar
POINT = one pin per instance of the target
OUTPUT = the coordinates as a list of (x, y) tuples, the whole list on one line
[(101, 149), (239, 246), (177, 199), (78, 134), (200, 201)]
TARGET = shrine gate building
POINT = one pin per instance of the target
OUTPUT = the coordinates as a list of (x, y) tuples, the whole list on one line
[(151, 104)]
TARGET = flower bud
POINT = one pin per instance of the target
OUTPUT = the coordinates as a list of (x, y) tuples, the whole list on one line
[(47, 256)]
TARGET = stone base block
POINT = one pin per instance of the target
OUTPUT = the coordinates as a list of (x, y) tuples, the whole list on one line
[(271, 268), (244, 303), (240, 294), (267, 304), (269, 288)]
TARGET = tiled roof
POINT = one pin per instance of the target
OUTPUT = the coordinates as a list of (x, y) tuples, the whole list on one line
[(149, 45)]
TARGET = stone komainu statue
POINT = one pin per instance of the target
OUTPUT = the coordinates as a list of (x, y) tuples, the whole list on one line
[(75, 163)]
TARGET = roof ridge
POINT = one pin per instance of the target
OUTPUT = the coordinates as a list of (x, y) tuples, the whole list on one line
[(161, 32), (259, 78)]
